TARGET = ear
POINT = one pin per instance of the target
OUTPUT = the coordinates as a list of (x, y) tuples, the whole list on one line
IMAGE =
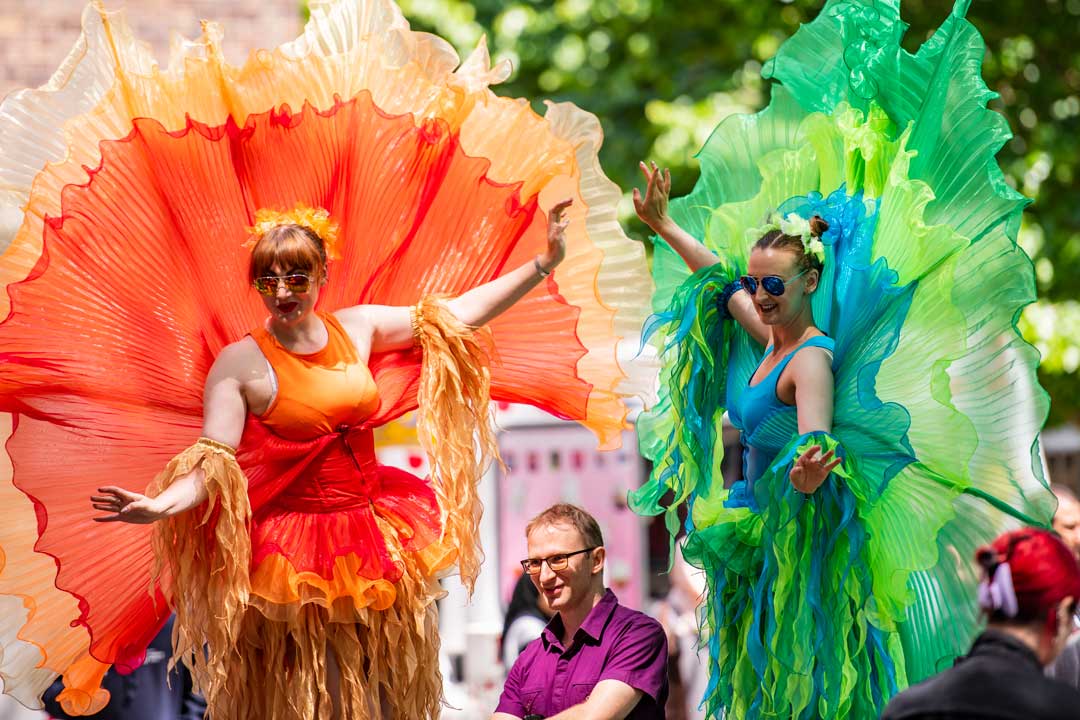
[(599, 555), (1065, 611), (812, 279)]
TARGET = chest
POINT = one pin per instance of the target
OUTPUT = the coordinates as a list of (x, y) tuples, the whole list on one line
[(775, 379), (560, 680)]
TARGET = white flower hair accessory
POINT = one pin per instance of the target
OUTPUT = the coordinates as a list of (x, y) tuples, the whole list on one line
[(797, 226)]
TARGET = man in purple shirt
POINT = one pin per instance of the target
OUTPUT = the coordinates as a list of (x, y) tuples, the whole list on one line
[(596, 659)]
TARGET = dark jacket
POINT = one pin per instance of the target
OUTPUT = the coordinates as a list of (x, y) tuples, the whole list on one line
[(144, 694), (1000, 679)]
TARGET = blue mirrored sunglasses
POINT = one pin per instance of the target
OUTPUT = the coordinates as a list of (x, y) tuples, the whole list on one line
[(773, 284)]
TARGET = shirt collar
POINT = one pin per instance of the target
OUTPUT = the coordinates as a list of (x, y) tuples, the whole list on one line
[(594, 624)]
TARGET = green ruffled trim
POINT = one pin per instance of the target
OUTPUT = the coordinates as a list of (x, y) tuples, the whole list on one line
[(791, 620), (680, 433)]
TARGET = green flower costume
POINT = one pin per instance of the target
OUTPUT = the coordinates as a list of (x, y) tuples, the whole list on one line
[(826, 605)]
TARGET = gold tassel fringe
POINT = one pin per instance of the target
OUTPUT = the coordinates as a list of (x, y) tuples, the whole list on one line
[(454, 417)]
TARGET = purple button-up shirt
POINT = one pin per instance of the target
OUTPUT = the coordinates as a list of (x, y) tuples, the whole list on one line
[(614, 643)]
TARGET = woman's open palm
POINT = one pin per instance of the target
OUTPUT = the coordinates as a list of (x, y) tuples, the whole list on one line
[(812, 468), (125, 506)]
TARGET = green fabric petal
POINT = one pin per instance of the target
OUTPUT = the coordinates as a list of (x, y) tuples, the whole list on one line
[(936, 401)]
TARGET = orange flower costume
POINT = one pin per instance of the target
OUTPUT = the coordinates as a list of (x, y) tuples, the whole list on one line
[(127, 277)]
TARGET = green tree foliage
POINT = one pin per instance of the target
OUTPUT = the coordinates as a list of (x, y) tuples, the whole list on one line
[(661, 75)]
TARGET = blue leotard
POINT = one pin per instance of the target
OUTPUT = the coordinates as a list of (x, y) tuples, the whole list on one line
[(765, 422)]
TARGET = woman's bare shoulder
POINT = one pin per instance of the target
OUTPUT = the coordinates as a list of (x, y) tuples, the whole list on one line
[(242, 360), (812, 362)]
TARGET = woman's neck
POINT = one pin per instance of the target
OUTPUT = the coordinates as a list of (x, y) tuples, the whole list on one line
[(1029, 636), (787, 336), (307, 335)]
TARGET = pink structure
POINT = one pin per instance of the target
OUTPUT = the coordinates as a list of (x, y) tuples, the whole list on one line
[(559, 462)]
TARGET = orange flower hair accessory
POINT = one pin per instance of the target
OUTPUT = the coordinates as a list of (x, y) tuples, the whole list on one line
[(317, 220)]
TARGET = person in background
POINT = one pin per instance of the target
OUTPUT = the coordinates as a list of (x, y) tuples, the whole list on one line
[(596, 658), (1031, 582), (526, 617), (678, 613), (1066, 667), (151, 692), (1067, 517)]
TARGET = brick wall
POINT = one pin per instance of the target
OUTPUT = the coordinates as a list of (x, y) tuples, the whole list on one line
[(36, 35)]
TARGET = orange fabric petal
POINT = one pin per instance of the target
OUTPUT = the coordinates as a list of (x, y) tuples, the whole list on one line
[(113, 334), (348, 48)]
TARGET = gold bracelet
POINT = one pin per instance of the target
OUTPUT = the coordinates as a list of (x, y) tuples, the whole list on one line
[(217, 446), (540, 268), (414, 320)]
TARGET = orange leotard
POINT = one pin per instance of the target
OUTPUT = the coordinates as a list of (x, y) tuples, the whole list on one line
[(320, 392), (329, 522)]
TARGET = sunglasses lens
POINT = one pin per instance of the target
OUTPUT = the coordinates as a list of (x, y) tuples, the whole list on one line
[(297, 283), (266, 285), (748, 283), (773, 285)]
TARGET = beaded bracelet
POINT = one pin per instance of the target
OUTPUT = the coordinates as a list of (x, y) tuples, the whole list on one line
[(414, 320)]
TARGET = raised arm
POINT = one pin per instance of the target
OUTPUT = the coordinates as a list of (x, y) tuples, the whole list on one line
[(224, 411), (653, 211), (390, 328)]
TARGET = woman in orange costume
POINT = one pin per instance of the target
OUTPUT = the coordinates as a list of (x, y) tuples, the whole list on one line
[(127, 291), (339, 545)]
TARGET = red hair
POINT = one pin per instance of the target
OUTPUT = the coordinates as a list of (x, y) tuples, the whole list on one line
[(1044, 572), (293, 247)]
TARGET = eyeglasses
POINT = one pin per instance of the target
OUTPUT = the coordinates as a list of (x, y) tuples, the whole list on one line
[(268, 284), (773, 284), (532, 566)]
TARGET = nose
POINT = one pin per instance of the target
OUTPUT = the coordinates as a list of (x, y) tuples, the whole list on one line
[(760, 294), (546, 574), (280, 289)]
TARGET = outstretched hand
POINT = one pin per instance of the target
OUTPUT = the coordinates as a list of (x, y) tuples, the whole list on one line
[(126, 506), (556, 235), (812, 468), (652, 208)]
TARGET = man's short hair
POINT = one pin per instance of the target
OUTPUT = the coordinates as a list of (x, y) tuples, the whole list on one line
[(572, 515)]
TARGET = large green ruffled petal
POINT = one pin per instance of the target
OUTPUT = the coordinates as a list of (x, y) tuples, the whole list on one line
[(936, 400)]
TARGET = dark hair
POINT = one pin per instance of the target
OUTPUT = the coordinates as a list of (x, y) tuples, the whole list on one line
[(293, 247), (572, 515), (525, 600), (1044, 572), (793, 243)]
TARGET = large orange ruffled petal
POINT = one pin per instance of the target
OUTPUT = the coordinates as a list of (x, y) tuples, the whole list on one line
[(114, 377), (347, 47), (34, 614)]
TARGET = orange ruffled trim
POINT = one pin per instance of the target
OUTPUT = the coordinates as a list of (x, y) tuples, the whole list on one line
[(454, 417), (279, 590), (385, 658)]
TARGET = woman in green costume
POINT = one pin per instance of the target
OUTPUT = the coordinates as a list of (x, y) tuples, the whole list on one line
[(888, 405)]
